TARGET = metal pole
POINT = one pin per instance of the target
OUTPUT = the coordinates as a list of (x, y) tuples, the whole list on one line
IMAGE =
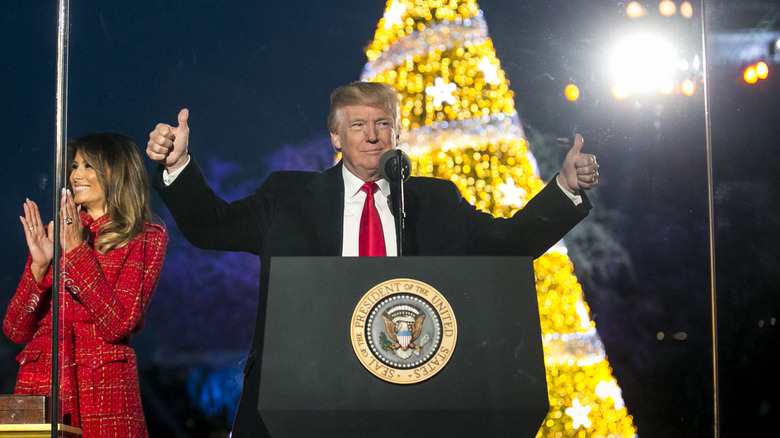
[(59, 182), (711, 201)]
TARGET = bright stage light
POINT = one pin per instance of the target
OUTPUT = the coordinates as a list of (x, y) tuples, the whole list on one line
[(620, 91), (749, 75), (644, 62), (666, 88), (686, 10), (688, 87), (635, 10), (572, 92), (755, 72), (667, 8), (762, 70)]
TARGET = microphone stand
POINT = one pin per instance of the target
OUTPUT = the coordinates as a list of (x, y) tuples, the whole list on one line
[(401, 210)]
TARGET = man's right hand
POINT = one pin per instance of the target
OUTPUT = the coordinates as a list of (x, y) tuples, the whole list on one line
[(168, 145)]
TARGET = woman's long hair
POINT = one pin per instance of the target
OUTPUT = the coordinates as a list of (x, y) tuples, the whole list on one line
[(122, 176)]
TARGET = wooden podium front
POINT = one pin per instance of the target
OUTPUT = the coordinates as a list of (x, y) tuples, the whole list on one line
[(26, 416)]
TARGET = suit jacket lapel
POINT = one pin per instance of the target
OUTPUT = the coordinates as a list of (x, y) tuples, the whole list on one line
[(328, 207)]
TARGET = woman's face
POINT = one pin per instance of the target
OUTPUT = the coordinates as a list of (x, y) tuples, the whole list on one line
[(86, 188)]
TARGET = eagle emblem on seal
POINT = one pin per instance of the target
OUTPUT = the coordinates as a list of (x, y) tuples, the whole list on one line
[(403, 325)]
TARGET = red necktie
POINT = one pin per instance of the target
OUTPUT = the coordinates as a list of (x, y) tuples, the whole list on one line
[(372, 239)]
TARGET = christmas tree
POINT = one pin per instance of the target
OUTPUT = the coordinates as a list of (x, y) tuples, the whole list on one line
[(459, 121)]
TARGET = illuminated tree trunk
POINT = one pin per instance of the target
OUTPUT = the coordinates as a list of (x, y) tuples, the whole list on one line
[(460, 123)]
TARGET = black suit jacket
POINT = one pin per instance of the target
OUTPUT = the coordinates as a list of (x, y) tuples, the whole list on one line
[(298, 213)]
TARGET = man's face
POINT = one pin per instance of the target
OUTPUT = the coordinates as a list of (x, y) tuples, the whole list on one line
[(364, 134)]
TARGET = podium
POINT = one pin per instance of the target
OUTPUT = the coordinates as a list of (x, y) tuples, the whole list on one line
[(321, 375)]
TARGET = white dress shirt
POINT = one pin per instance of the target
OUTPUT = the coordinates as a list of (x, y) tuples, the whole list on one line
[(354, 198)]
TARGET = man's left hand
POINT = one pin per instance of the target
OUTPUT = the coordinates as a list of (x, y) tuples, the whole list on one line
[(579, 171)]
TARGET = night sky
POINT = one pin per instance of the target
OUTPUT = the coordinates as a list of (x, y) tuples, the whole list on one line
[(256, 77)]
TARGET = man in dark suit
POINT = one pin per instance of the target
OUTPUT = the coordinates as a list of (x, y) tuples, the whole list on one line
[(319, 214)]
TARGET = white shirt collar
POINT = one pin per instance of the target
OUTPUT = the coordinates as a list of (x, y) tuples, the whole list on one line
[(352, 184)]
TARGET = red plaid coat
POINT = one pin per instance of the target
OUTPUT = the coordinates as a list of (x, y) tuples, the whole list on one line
[(104, 304)]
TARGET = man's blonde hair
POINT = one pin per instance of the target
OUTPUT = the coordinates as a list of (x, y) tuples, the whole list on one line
[(374, 94)]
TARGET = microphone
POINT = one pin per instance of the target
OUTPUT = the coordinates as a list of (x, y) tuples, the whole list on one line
[(395, 166), (388, 165)]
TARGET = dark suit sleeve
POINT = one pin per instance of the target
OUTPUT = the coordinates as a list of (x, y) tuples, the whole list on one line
[(209, 222), (532, 230), (441, 222)]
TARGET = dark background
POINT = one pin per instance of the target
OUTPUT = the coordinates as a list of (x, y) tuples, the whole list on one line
[(256, 77)]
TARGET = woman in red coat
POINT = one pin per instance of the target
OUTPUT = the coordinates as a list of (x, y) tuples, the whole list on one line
[(111, 261)]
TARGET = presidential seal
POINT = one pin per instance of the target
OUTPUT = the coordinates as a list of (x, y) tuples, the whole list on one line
[(403, 331)]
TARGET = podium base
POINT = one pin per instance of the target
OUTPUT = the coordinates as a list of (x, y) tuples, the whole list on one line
[(37, 431)]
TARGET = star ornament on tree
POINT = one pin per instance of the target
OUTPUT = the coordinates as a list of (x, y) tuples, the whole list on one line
[(513, 195), (394, 14), (582, 313), (610, 390), (578, 414), (489, 71), (441, 92)]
